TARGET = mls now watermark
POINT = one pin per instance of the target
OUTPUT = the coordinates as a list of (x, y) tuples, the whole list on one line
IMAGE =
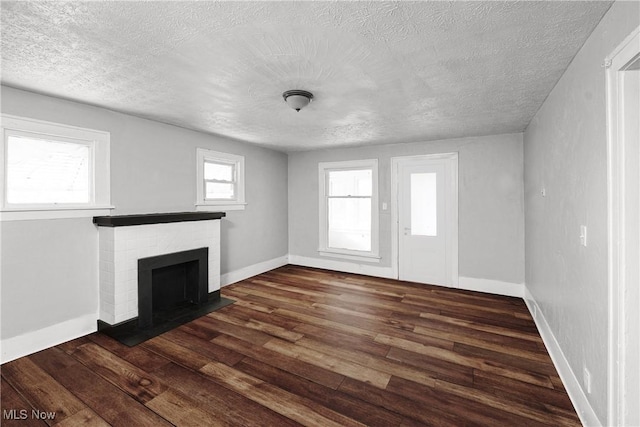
[(24, 414)]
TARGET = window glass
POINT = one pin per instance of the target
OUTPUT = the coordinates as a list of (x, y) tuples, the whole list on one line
[(424, 219), (350, 182), (46, 171), (219, 191), (350, 223), (218, 171)]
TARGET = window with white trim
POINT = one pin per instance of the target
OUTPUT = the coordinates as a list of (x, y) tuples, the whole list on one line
[(349, 209), (220, 180), (52, 170)]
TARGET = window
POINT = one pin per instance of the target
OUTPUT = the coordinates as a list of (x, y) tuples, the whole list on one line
[(349, 209), (424, 212), (220, 181), (53, 170)]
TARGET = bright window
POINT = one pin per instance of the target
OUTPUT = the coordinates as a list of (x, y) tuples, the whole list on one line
[(43, 170), (424, 217), (53, 170), (220, 180), (348, 209)]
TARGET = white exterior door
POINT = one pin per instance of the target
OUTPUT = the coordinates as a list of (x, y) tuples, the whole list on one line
[(427, 219)]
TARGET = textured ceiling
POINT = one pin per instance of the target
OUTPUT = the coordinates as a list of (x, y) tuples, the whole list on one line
[(381, 72)]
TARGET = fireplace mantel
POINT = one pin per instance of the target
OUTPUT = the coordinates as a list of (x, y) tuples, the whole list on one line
[(155, 218)]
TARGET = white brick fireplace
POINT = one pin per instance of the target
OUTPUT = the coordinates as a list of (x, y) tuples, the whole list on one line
[(122, 246)]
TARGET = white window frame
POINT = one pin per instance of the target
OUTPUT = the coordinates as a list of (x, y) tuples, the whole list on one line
[(203, 204), (323, 175), (99, 170)]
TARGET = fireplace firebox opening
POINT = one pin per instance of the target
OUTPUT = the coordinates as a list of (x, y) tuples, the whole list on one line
[(171, 285)]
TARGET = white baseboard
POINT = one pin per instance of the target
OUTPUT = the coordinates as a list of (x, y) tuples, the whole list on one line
[(343, 266), (491, 286), (31, 342), (580, 402), (468, 283), (253, 270)]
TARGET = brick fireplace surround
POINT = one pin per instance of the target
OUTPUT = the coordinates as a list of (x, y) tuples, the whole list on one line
[(127, 238)]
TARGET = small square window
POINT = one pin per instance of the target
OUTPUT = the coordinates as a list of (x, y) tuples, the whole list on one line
[(220, 181)]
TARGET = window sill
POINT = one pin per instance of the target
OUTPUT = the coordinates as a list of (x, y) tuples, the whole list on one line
[(365, 258), (24, 214), (221, 207)]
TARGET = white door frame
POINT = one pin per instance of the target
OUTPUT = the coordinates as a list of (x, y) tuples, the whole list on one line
[(619, 254), (452, 230)]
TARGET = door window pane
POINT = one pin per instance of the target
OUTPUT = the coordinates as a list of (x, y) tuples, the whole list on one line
[(349, 223), (350, 182), (42, 171), (424, 219)]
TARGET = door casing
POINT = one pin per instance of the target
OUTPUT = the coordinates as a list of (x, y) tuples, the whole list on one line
[(623, 239)]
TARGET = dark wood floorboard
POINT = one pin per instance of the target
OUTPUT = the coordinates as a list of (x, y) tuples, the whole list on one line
[(304, 346)]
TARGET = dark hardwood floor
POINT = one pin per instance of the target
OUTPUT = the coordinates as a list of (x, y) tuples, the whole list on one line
[(311, 347)]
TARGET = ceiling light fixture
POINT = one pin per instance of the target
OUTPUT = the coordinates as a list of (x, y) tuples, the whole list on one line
[(297, 99)]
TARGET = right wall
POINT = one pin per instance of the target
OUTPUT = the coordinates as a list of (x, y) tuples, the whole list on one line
[(565, 178)]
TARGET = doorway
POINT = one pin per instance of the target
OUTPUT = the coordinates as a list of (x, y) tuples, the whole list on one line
[(623, 152), (425, 218)]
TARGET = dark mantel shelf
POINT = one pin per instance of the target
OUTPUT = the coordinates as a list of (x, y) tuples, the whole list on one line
[(156, 218)]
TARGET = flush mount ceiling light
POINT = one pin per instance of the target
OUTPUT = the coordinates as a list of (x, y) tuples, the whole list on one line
[(297, 99)]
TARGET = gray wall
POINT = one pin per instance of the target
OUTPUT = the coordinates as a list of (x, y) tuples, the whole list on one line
[(49, 273), (153, 169), (491, 217), (565, 152)]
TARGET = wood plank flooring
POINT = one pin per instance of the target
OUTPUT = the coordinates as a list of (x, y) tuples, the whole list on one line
[(308, 347)]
